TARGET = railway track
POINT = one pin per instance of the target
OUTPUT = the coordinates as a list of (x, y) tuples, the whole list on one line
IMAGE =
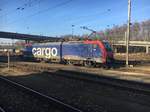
[(83, 74), (137, 98), (132, 86), (138, 92), (2, 110), (59, 105)]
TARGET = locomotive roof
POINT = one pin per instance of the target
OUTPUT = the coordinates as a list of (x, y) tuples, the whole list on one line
[(65, 42), (47, 43)]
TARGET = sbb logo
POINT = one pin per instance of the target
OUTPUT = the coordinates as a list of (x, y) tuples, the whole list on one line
[(46, 52)]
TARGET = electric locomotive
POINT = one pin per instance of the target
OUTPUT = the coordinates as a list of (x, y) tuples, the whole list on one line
[(86, 52)]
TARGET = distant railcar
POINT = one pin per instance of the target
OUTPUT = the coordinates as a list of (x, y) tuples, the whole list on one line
[(88, 53)]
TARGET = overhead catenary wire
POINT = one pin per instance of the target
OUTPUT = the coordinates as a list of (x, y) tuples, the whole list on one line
[(84, 18), (78, 21), (30, 4), (22, 7), (42, 11), (88, 17), (73, 20)]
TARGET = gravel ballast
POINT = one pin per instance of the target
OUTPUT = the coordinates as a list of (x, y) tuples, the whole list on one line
[(90, 97)]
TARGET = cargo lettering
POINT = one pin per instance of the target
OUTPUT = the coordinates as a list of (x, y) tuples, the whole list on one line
[(46, 52)]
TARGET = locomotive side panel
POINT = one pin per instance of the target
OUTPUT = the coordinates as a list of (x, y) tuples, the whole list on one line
[(75, 51), (27, 52), (49, 51), (82, 51)]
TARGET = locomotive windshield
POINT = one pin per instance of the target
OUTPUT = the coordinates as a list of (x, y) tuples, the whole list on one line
[(107, 46)]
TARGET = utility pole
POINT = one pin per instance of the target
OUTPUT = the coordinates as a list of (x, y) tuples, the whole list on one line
[(128, 33), (125, 35), (8, 55), (73, 30)]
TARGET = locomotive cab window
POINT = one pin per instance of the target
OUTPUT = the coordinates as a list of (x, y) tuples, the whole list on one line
[(96, 50), (95, 47)]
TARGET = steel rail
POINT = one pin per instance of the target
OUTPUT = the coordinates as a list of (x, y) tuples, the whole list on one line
[(2, 110), (106, 80), (67, 106)]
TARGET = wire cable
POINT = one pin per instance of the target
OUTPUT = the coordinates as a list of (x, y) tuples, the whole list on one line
[(21, 8), (42, 11)]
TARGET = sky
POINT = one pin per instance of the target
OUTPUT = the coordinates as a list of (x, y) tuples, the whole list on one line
[(56, 17)]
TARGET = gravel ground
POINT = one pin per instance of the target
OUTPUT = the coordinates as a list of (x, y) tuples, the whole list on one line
[(14, 100), (135, 73), (91, 97), (133, 56)]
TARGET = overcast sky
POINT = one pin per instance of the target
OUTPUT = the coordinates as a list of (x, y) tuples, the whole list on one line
[(56, 17)]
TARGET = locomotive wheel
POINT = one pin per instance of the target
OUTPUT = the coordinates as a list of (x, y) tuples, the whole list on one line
[(106, 66), (69, 62), (94, 64), (88, 63)]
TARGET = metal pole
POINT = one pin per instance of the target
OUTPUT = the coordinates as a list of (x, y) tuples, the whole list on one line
[(72, 30), (125, 35), (8, 59), (128, 33)]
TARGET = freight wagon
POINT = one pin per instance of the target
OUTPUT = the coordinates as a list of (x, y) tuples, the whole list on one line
[(88, 53)]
